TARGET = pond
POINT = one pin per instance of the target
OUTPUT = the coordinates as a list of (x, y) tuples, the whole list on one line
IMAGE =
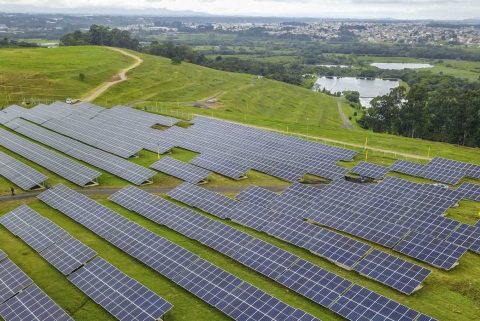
[(399, 65)]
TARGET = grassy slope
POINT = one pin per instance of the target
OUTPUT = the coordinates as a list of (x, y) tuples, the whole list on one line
[(49, 74), (170, 89)]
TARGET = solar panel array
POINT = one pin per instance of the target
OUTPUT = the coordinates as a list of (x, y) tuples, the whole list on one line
[(122, 296), (20, 174), (337, 248), (370, 170), (309, 280), (231, 295), (439, 169), (115, 165), (120, 130), (470, 191), (409, 168), (57, 163), (257, 195), (388, 212), (21, 299), (32, 304), (231, 150), (181, 170)]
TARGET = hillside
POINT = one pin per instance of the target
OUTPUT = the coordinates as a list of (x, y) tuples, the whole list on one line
[(160, 86), (51, 74)]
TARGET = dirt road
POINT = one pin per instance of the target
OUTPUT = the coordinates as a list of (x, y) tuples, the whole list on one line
[(118, 78), (346, 121)]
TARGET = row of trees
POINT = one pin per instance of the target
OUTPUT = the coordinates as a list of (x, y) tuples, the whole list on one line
[(439, 108), (100, 36), (10, 43)]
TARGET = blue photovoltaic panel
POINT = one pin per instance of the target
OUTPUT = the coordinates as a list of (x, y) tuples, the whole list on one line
[(319, 285), (20, 174), (257, 195), (2, 255), (181, 170), (12, 280), (167, 258), (470, 191), (68, 254), (122, 296), (409, 168), (203, 199), (437, 252), (32, 304), (36, 230), (392, 271), (57, 163), (370, 170), (361, 304)]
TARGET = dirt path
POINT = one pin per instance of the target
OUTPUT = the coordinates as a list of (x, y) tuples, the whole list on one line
[(118, 78), (346, 121), (329, 140), (155, 190)]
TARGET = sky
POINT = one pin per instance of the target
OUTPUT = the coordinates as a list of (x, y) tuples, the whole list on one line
[(399, 9)]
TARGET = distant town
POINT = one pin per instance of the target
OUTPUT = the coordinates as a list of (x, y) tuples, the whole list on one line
[(389, 31)]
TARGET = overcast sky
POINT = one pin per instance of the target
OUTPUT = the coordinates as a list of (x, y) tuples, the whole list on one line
[(402, 9)]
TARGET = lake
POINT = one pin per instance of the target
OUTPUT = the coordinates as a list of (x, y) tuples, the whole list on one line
[(399, 66), (368, 88)]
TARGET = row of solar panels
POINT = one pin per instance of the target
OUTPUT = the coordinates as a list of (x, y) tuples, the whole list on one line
[(20, 174), (439, 169), (346, 252), (389, 214), (323, 287), (231, 150), (107, 129), (231, 295), (123, 297), (21, 299)]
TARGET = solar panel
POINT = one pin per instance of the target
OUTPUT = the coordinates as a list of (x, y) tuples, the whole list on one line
[(319, 285), (36, 230), (32, 304), (115, 165), (361, 304), (428, 249), (203, 199), (370, 170), (167, 258), (181, 170), (94, 136), (220, 165), (68, 255), (20, 174), (59, 164), (407, 167), (470, 191), (332, 246), (3, 255), (141, 116), (12, 280), (122, 296), (392, 271), (328, 170), (257, 195)]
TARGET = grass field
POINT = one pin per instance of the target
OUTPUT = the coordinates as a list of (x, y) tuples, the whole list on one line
[(172, 89), (47, 74)]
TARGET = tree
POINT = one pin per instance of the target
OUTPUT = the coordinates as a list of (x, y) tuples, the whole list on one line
[(176, 61), (81, 76), (352, 96)]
